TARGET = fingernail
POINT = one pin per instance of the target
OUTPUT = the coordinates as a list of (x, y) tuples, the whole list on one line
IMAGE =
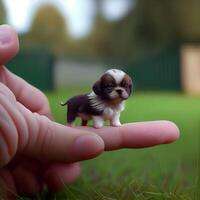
[(5, 35), (88, 146)]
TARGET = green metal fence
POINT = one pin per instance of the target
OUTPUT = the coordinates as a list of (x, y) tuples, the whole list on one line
[(34, 67), (160, 72)]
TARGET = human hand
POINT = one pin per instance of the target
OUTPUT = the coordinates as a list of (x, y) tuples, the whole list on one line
[(34, 149), (136, 135), (40, 150)]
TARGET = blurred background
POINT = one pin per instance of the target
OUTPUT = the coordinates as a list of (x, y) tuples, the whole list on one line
[(67, 44), (155, 41)]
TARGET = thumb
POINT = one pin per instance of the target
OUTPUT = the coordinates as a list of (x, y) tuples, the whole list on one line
[(9, 44), (34, 135), (50, 141)]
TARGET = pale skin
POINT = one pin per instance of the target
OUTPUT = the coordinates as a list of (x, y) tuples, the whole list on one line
[(40, 150)]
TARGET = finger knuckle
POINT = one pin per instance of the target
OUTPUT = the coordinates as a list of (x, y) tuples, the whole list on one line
[(45, 135), (8, 134)]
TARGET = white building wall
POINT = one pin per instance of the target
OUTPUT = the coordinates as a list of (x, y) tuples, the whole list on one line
[(74, 73), (190, 58)]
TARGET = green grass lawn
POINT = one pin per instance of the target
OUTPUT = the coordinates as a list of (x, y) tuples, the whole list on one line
[(162, 172)]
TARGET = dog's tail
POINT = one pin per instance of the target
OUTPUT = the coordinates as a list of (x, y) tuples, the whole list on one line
[(63, 103)]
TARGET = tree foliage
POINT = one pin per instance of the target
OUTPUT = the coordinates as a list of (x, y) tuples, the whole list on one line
[(187, 17), (150, 25), (99, 39), (98, 42), (48, 29), (2, 13)]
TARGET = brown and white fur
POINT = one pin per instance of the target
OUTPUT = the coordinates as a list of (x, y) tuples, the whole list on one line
[(105, 102)]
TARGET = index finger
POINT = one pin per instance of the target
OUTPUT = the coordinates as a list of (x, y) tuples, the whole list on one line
[(26, 94), (9, 44), (31, 97), (137, 135)]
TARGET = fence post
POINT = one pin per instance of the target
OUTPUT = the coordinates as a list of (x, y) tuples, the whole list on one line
[(190, 64)]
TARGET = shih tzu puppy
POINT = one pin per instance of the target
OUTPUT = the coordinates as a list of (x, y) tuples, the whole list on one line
[(105, 102)]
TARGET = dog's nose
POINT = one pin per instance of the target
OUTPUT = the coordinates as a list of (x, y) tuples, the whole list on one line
[(119, 91)]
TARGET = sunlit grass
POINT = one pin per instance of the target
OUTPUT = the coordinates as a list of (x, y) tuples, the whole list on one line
[(163, 172)]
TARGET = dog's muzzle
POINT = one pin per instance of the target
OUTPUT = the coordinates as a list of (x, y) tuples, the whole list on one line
[(119, 93)]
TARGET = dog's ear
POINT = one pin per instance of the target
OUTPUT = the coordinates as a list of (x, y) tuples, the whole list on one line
[(97, 87), (131, 86)]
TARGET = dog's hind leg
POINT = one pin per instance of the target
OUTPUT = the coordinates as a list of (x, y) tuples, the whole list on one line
[(84, 122), (71, 116)]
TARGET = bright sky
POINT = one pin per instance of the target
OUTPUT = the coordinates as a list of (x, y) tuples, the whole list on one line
[(78, 13)]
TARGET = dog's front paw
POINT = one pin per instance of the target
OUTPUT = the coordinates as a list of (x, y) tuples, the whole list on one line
[(98, 122), (98, 126), (116, 124), (70, 125)]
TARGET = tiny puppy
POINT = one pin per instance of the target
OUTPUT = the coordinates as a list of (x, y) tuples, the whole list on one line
[(105, 102)]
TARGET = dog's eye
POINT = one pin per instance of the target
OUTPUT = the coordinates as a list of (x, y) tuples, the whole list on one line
[(109, 86), (126, 85)]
